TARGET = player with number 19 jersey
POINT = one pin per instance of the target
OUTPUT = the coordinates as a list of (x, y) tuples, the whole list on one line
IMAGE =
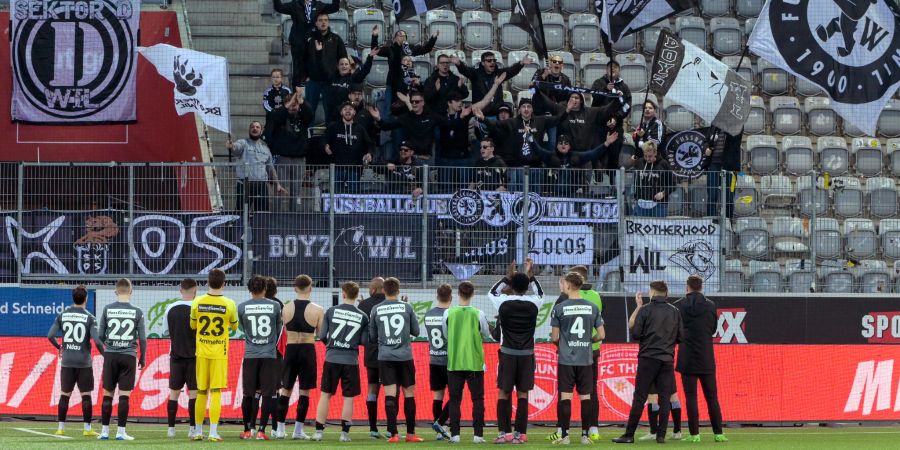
[(212, 316)]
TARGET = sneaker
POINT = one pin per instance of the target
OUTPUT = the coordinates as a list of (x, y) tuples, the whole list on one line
[(345, 437), (170, 433), (442, 433), (720, 438), (477, 440), (262, 436), (246, 435), (300, 436), (413, 438), (318, 435), (394, 439), (647, 437), (695, 438), (124, 437), (89, 433), (595, 436), (60, 432), (561, 441), (197, 437), (214, 438), (504, 439), (374, 435), (522, 438), (278, 434), (103, 436), (586, 440), (661, 439), (552, 436), (676, 436), (624, 439), (454, 440)]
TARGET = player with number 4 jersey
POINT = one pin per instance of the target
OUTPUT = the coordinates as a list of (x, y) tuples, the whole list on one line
[(260, 318)]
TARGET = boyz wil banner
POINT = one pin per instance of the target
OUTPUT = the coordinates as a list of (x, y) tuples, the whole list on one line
[(74, 62), (851, 50), (670, 250), (688, 76), (620, 18)]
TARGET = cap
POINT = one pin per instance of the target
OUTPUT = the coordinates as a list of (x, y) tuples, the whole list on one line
[(454, 96), (407, 145), (356, 87), (563, 138), (505, 107), (525, 101)]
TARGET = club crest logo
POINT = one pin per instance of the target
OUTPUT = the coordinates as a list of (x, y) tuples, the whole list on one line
[(844, 46), (617, 367), (187, 80), (686, 152), (535, 208), (92, 249), (466, 207)]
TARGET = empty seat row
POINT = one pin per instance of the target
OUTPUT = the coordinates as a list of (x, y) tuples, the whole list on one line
[(798, 156), (797, 276), (789, 116)]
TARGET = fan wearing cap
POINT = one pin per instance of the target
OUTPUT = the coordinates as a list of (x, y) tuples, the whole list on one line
[(441, 84), (552, 74), (286, 134), (504, 112), (357, 98), (522, 131), (404, 175), (348, 72), (567, 181), (348, 143), (482, 78), (612, 83)]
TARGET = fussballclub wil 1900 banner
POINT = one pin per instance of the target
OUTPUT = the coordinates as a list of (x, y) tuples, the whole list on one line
[(74, 61)]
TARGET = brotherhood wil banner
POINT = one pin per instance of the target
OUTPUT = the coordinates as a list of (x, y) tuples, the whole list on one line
[(74, 62), (670, 250)]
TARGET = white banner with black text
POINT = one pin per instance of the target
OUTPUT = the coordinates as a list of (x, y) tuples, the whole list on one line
[(670, 250)]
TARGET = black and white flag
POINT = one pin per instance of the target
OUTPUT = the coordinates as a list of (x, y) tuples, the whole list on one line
[(527, 15), (851, 49), (686, 152), (404, 9), (690, 77), (623, 17)]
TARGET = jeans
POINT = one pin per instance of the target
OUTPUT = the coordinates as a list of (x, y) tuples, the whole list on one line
[(291, 172), (714, 187), (660, 210), (710, 392), (392, 151), (649, 372), (313, 92)]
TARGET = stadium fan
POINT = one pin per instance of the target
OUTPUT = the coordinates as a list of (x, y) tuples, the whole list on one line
[(552, 74), (612, 83), (437, 356), (212, 315), (439, 86), (516, 324), (79, 328), (453, 150), (465, 328), (404, 176), (356, 97), (347, 74), (580, 122), (418, 124), (569, 322), (653, 183), (565, 182), (321, 53), (370, 357), (350, 145), (344, 329), (304, 15), (724, 153), (255, 170), (490, 170), (286, 135), (182, 355), (650, 129), (392, 325), (302, 319), (482, 78), (260, 319), (395, 52), (522, 131), (277, 94), (121, 329)]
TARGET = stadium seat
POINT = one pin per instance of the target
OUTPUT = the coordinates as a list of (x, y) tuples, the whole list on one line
[(734, 277), (593, 67), (470, 5), (873, 277), (362, 4), (339, 23), (715, 8), (848, 196), (612, 282), (764, 155), (868, 155), (756, 121), (748, 8), (798, 275), (363, 22), (378, 75), (729, 243), (634, 71), (836, 277), (376, 97), (286, 24), (478, 30), (852, 130), (860, 240), (521, 81), (637, 108), (776, 191), (576, 6), (746, 69), (554, 31), (799, 158), (650, 35), (889, 233), (806, 88), (627, 150), (726, 36), (678, 118), (765, 276), (511, 36), (812, 196), (882, 194), (508, 98), (422, 66), (753, 237), (585, 32), (889, 121), (834, 157), (827, 239), (772, 79), (698, 198), (676, 202), (749, 24), (788, 233), (893, 154), (413, 29), (821, 120), (692, 29), (445, 21), (546, 6), (746, 198), (501, 5), (627, 44), (569, 67), (786, 115)]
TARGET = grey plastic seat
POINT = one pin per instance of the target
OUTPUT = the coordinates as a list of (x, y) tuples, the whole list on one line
[(444, 21), (692, 29), (546, 5), (339, 23), (869, 156), (889, 121), (569, 67), (727, 36), (746, 197), (799, 157), (676, 202), (756, 121), (786, 115), (893, 155), (777, 191), (773, 79), (678, 118), (860, 240), (501, 5), (852, 130), (521, 81), (812, 196), (422, 66), (834, 157), (848, 196), (413, 29), (612, 282), (807, 89), (734, 277), (650, 35), (377, 77), (836, 277), (361, 4), (821, 119), (576, 6), (478, 30), (798, 275), (627, 44), (788, 233), (746, 69), (753, 237), (827, 239), (873, 276), (364, 20), (765, 276), (585, 32), (634, 71), (593, 67), (882, 193), (889, 233), (715, 8), (470, 5), (554, 31), (698, 195), (748, 8), (764, 155), (729, 242)]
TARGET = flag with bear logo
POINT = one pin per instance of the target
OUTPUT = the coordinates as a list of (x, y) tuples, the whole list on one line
[(849, 48), (404, 9), (200, 79)]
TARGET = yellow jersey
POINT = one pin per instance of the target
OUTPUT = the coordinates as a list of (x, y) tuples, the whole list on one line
[(212, 316)]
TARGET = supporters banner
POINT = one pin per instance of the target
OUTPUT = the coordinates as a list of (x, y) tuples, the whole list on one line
[(670, 250), (30, 312), (690, 77), (566, 245), (404, 9), (74, 62), (686, 152), (526, 15), (200, 79), (857, 383), (623, 17), (848, 49)]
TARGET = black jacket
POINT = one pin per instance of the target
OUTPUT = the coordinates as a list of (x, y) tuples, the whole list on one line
[(371, 353), (490, 174), (275, 97), (657, 328), (338, 89), (483, 81), (585, 127), (512, 149), (394, 54), (286, 134), (436, 99), (348, 142), (699, 320), (655, 130), (418, 129), (602, 101), (303, 23), (516, 317), (322, 65), (556, 96), (405, 177), (652, 178), (731, 149), (454, 142)]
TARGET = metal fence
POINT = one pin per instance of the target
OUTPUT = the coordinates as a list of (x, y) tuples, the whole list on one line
[(427, 225)]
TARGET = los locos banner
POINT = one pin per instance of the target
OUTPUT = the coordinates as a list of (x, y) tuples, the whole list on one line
[(74, 62), (670, 250), (858, 382), (96, 243)]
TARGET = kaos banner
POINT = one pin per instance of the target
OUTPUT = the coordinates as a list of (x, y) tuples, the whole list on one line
[(74, 61)]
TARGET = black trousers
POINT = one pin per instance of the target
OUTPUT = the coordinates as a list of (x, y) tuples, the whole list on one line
[(710, 393), (652, 371), (254, 193), (456, 380)]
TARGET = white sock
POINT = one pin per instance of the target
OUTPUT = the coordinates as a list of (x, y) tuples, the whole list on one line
[(298, 427), (198, 429), (213, 429), (172, 429), (281, 427), (120, 431), (105, 430), (594, 430), (62, 425), (87, 427)]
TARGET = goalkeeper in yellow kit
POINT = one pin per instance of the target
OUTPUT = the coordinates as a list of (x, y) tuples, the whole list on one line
[(212, 315)]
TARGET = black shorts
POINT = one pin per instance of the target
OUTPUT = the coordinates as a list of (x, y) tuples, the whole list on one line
[(260, 374), (183, 372), (82, 376), (515, 371), (437, 377), (653, 390), (578, 377), (119, 370), (398, 372), (346, 374), (299, 362), (373, 375)]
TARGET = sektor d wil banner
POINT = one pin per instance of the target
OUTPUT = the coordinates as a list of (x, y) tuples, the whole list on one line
[(74, 61)]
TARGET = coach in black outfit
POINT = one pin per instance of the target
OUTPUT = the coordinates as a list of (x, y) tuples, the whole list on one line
[(696, 360), (657, 327)]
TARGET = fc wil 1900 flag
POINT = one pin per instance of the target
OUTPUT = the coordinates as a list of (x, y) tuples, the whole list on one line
[(527, 16), (404, 9), (623, 17), (690, 77), (849, 48)]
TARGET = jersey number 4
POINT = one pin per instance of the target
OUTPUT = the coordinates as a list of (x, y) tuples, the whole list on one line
[(578, 327), (218, 326)]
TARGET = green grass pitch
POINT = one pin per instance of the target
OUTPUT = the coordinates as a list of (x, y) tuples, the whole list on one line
[(38, 435)]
